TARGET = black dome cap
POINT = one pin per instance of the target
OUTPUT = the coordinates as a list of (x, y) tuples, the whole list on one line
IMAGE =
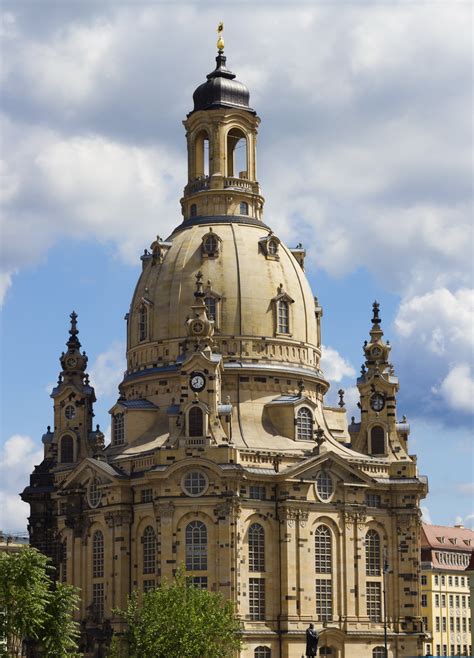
[(221, 90)]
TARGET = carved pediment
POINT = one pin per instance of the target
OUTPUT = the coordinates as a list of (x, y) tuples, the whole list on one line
[(89, 468)]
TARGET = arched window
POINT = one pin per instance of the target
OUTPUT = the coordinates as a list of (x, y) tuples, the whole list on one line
[(196, 421), (236, 153), (149, 550), (193, 210), (283, 317), (119, 429), (98, 554), (372, 554), (256, 547), (244, 208), (304, 424), (323, 549), (326, 651), (196, 546), (377, 440), (142, 322), (67, 449), (379, 652), (211, 307), (262, 652), (201, 153)]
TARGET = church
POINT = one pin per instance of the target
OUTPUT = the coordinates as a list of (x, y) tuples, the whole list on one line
[(224, 458)]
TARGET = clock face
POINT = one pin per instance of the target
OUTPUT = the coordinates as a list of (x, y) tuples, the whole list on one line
[(376, 351), (71, 362), (377, 402), (70, 412), (197, 327), (197, 381)]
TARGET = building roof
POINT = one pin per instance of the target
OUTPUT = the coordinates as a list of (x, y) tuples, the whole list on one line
[(456, 538)]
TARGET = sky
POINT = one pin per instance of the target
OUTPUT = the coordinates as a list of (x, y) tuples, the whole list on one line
[(364, 155)]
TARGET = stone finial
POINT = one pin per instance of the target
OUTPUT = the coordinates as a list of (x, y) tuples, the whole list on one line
[(341, 397), (301, 388), (199, 285), (376, 319)]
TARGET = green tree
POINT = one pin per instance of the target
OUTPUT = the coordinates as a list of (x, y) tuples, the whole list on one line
[(179, 620), (31, 607)]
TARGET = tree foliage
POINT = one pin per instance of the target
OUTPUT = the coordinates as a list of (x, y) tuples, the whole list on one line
[(32, 608), (179, 620)]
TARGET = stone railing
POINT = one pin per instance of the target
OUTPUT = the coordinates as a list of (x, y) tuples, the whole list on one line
[(197, 185)]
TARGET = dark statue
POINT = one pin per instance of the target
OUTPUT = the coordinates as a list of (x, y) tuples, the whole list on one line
[(312, 639)]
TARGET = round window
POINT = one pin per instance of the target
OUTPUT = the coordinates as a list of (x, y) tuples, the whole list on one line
[(194, 483), (94, 494), (324, 486), (70, 411)]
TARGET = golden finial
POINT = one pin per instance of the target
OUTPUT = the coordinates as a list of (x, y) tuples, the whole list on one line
[(220, 40)]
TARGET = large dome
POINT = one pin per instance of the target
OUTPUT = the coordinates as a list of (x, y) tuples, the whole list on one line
[(249, 273)]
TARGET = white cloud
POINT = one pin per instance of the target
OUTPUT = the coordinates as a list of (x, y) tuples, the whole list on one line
[(426, 515), (457, 388), (107, 370), (18, 455), (334, 366), (466, 488), (5, 283)]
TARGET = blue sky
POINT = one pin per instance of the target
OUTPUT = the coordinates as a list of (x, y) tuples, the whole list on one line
[(364, 154)]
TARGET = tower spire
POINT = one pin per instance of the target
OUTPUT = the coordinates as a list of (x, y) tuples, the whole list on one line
[(73, 361)]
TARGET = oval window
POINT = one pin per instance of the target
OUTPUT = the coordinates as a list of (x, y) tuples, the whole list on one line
[(324, 486)]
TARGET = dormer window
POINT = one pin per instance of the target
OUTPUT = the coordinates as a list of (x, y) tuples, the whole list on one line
[(283, 326), (143, 323), (211, 245), (270, 246), (119, 429), (244, 208), (304, 424)]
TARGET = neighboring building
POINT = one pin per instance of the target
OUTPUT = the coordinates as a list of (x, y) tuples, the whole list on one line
[(224, 457), (445, 597), (12, 543)]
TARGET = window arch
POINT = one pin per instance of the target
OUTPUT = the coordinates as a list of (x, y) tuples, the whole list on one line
[(304, 424), (283, 317), (323, 549), (149, 550), (378, 652), (98, 554), (377, 440), (256, 541), (193, 210), (195, 421), (244, 208), (372, 553), (119, 429), (196, 546), (237, 163), (67, 449), (262, 652), (142, 322)]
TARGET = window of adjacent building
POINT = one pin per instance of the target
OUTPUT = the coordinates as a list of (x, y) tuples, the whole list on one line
[(372, 553), (324, 599), (211, 307), (456, 581), (257, 492), (146, 495), (323, 550), (193, 210), (444, 624), (457, 600), (257, 598), (67, 450), (374, 601), (98, 599), (443, 580), (437, 600), (377, 440), (200, 582), (196, 421), (98, 554), (283, 317), (142, 322), (256, 541), (244, 208), (428, 649), (464, 624), (149, 550), (451, 624), (304, 424), (119, 429), (436, 580), (443, 600), (453, 649), (195, 483), (262, 652), (451, 600), (463, 601), (148, 585), (372, 500), (425, 623), (424, 580), (424, 601), (324, 486), (438, 649), (450, 581), (196, 546), (445, 649), (379, 652), (458, 624)]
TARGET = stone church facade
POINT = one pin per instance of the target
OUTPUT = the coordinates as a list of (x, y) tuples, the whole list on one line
[(224, 457)]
